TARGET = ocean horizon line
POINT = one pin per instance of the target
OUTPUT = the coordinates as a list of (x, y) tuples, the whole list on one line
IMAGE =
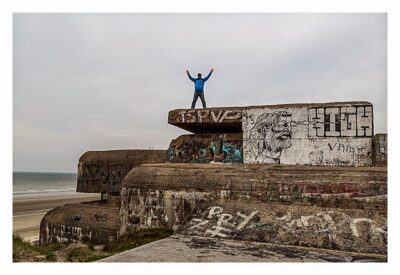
[(42, 172)]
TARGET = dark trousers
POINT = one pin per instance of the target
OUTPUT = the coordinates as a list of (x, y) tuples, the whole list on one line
[(195, 96)]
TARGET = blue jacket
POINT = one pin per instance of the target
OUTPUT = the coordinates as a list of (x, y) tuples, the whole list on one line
[(199, 82)]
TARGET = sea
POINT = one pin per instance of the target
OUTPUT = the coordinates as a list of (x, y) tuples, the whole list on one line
[(41, 184)]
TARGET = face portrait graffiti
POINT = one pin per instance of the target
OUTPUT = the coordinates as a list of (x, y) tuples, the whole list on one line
[(270, 135)]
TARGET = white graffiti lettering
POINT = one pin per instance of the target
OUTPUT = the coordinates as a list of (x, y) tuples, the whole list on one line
[(214, 210), (246, 218), (214, 116), (202, 114), (200, 223), (220, 224), (224, 220), (324, 222), (217, 231)]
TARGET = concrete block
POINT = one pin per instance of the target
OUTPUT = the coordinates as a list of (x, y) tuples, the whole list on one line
[(103, 171), (379, 153), (333, 134), (210, 120), (343, 208), (90, 222)]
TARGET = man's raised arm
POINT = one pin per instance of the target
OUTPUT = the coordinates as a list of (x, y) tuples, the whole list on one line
[(208, 76), (190, 77)]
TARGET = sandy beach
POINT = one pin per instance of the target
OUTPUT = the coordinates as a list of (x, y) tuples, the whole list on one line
[(28, 212)]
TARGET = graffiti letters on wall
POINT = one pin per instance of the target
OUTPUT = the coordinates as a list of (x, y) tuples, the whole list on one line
[(216, 223), (58, 233), (202, 150), (327, 229), (212, 116), (101, 178), (98, 217), (152, 208), (336, 136), (332, 223), (341, 121), (145, 209)]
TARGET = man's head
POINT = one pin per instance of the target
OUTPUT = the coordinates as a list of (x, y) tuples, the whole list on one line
[(274, 132), (199, 75)]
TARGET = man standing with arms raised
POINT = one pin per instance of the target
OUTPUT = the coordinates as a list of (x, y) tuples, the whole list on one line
[(199, 87)]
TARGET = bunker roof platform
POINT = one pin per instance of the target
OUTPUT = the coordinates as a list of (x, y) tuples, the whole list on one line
[(229, 119)]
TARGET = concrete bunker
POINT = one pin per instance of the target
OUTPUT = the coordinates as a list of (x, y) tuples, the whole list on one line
[(310, 175)]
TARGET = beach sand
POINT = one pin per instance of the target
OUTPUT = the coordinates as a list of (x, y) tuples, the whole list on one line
[(28, 212)]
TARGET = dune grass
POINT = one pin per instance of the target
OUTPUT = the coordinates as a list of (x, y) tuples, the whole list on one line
[(24, 251)]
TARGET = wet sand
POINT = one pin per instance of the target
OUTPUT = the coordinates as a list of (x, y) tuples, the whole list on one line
[(28, 212)]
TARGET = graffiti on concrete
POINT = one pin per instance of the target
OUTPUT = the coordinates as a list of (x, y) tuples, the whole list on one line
[(222, 151), (146, 208), (301, 190), (212, 116), (331, 223), (61, 233), (340, 147), (149, 210), (98, 217), (341, 121), (193, 150), (354, 231), (218, 224), (189, 151), (358, 153), (101, 178), (316, 157), (334, 135), (270, 134)]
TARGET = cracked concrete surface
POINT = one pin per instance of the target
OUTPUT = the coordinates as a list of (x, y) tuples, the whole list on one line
[(180, 248)]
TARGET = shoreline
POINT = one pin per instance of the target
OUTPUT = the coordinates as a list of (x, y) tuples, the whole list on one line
[(21, 205), (28, 212)]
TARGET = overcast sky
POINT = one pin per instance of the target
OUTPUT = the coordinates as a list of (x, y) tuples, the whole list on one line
[(107, 81)]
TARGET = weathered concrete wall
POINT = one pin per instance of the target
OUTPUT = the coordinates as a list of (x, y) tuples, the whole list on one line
[(103, 171), (184, 248), (379, 145), (204, 148), (327, 134), (334, 134), (149, 208), (343, 187), (213, 215), (330, 228), (96, 222), (91, 222), (335, 208)]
